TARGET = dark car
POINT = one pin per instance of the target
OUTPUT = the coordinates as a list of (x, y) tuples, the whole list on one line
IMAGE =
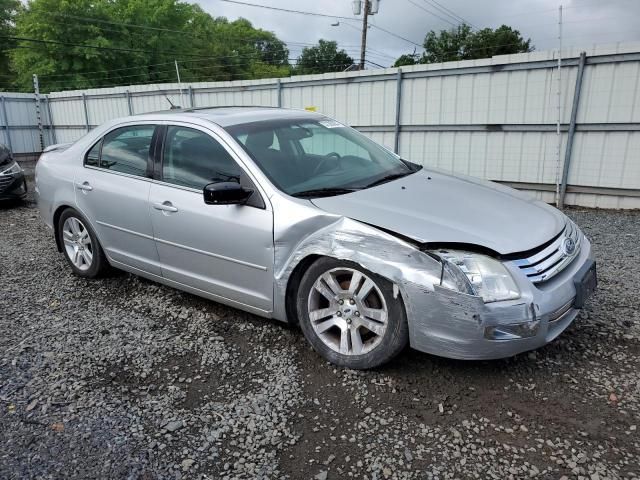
[(13, 185)]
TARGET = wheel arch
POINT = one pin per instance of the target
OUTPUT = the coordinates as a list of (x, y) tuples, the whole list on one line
[(303, 265), (56, 220), (293, 283), (407, 268)]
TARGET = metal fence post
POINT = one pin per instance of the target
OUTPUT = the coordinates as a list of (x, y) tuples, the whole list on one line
[(36, 89), (192, 99), (572, 130), (6, 122), (396, 133), (86, 111), (129, 104), (52, 127), (279, 92)]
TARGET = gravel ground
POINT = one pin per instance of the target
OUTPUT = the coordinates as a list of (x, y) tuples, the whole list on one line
[(124, 378)]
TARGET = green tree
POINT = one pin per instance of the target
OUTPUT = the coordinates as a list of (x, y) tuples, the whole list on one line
[(447, 45), (8, 12), (463, 43), (504, 40), (322, 58), (140, 40), (407, 59)]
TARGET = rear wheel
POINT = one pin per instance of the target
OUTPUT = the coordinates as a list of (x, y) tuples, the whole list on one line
[(349, 315), (80, 245)]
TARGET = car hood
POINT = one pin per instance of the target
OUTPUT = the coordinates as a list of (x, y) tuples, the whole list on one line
[(436, 207)]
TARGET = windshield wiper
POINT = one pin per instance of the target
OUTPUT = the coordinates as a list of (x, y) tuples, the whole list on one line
[(387, 178), (323, 192)]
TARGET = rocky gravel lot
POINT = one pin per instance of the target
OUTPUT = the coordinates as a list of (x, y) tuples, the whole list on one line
[(124, 378)]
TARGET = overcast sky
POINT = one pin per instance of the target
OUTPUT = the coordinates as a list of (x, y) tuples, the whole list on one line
[(585, 22)]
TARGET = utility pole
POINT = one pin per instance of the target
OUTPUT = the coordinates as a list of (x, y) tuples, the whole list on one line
[(363, 43), (370, 8)]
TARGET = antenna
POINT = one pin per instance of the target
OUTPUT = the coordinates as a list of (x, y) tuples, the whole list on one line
[(173, 107), (179, 82)]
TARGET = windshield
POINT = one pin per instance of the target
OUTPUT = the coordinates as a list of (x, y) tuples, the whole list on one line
[(314, 158)]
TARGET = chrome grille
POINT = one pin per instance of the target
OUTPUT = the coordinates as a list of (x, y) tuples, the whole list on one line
[(5, 180), (552, 259)]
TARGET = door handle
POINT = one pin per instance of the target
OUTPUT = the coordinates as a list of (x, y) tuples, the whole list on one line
[(85, 186), (165, 206)]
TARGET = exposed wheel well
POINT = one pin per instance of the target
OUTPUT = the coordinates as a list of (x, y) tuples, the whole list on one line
[(56, 218), (294, 283), (292, 287)]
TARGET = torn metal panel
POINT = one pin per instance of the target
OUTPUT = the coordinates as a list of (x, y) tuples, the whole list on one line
[(319, 233), (442, 320), (347, 239)]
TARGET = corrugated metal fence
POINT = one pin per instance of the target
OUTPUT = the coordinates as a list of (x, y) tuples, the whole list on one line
[(491, 118)]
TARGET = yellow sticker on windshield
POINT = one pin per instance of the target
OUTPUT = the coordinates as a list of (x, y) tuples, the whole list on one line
[(311, 109)]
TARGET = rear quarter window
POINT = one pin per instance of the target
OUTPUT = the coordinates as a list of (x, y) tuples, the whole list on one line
[(124, 150), (92, 158)]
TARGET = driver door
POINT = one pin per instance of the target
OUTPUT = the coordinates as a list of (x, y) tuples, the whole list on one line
[(225, 251)]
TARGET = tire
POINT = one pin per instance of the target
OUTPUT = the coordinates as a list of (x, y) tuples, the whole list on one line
[(80, 245), (366, 330)]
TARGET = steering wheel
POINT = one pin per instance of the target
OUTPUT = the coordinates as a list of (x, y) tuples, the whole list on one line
[(321, 163)]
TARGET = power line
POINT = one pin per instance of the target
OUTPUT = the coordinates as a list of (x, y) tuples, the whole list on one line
[(130, 25), (289, 43), (183, 32), (374, 63), (203, 58), (288, 10), (146, 27), (255, 56), (386, 31), (189, 70), (369, 49), (431, 13), (316, 14), (146, 82), (449, 12), (96, 47), (218, 66), (148, 73)]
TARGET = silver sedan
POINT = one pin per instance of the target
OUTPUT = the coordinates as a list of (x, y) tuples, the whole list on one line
[(291, 215)]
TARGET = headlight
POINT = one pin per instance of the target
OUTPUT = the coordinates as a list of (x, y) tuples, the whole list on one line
[(12, 170), (487, 277)]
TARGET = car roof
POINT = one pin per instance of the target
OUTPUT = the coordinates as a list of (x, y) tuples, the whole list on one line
[(228, 116)]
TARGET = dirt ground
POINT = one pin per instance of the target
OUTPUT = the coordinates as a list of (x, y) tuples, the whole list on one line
[(124, 378)]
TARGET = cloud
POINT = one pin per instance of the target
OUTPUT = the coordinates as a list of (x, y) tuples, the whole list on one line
[(585, 22)]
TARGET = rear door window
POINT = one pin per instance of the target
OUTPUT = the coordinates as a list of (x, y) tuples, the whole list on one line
[(125, 150)]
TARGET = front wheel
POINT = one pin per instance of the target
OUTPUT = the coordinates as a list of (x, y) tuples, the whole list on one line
[(80, 245), (350, 315)]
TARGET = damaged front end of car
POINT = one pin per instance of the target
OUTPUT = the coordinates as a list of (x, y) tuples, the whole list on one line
[(459, 304)]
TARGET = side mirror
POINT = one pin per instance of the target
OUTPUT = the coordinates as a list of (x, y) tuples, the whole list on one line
[(226, 193)]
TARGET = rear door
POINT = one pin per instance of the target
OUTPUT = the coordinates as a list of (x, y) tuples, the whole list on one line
[(112, 192), (223, 250)]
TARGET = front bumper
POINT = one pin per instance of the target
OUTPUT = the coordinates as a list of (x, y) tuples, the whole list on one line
[(450, 324), (13, 187)]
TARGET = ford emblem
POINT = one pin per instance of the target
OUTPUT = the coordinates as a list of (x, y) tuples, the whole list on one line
[(568, 246)]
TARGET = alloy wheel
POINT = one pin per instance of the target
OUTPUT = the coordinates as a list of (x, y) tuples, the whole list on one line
[(77, 243), (347, 311)]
